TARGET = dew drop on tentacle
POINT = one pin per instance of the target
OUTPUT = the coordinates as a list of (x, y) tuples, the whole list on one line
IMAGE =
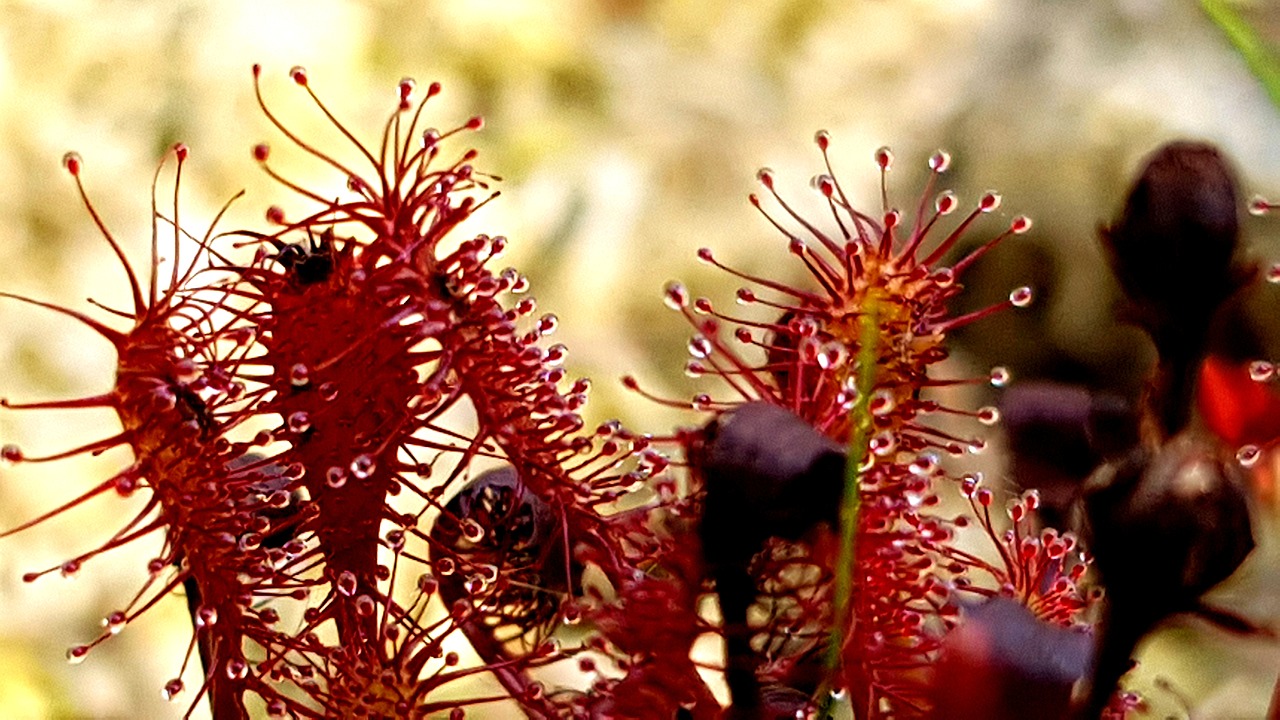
[(299, 422), (1273, 274), (172, 690), (700, 347), (72, 162), (555, 355), (765, 176), (404, 90), (206, 617), (924, 465), (363, 466), (11, 453), (1021, 297), (299, 375), (115, 622), (675, 296), (472, 531), (335, 477), (824, 184), (427, 584), (548, 324), (445, 566), (884, 158), (999, 376), (883, 443), (570, 613), (346, 584), (77, 654), (831, 355), (882, 403), (1261, 371), (1248, 455), (988, 415), (946, 203)]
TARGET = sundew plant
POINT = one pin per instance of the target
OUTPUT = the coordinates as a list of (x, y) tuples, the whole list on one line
[(360, 462)]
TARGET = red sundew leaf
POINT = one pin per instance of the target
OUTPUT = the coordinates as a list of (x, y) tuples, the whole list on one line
[(356, 291), (374, 331), (811, 355), (1234, 406), (177, 394)]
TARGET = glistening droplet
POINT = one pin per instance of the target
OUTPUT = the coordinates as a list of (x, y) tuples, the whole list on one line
[(1000, 376), (1248, 455), (363, 466), (172, 689), (1021, 297), (347, 583)]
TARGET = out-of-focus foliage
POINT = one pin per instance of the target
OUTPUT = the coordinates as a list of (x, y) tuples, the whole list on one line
[(1264, 63), (628, 132)]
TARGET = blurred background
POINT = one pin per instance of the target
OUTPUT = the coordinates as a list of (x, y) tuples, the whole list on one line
[(628, 133)]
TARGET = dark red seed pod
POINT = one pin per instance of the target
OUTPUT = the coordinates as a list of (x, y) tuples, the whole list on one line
[(1004, 663), (1165, 526), (1058, 434), (505, 545), (767, 473), (1173, 250), (1173, 245)]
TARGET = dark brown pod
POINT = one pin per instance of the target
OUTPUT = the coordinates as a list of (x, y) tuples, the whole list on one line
[(1172, 250), (1058, 434), (1172, 247), (766, 473), (1165, 526), (495, 521), (1003, 663)]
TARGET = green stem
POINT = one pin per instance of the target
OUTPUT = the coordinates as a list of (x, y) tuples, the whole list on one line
[(859, 436), (1262, 62)]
